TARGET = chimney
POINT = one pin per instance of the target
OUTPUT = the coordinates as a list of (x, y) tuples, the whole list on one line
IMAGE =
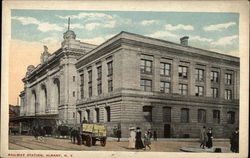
[(184, 40)]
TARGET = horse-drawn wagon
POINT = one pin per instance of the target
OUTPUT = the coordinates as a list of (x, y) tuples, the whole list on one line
[(92, 133)]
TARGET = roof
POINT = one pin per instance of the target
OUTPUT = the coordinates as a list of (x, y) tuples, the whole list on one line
[(135, 38)]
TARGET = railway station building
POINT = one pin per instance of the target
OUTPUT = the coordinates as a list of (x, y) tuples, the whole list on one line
[(133, 80)]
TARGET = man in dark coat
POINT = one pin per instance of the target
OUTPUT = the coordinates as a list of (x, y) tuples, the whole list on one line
[(119, 134), (155, 135), (234, 140)]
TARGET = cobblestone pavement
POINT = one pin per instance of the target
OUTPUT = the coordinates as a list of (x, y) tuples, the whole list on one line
[(162, 145)]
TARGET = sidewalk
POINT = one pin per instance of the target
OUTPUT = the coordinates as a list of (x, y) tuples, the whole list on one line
[(172, 139)]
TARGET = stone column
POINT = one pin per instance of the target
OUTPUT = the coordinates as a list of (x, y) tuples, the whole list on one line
[(175, 77), (222, 83), (191, 79), (85, 86), (104, 76), (94, 80), (156, 74), (236, 84), (207, 81)]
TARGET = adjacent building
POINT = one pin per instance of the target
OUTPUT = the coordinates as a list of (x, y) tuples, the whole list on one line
[(50, 88), (133, 80)]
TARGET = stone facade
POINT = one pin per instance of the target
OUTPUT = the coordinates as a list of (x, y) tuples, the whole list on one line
[(133, 80), (49, 87), (169, 113)]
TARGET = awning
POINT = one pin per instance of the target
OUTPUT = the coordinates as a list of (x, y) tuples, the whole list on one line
[(36, 117)]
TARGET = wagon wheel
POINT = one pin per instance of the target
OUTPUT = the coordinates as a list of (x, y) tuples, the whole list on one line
[(88, 141), (103, 142), (93, 141)]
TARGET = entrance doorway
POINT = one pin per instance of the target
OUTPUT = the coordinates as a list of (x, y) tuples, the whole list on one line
[(167, 131)]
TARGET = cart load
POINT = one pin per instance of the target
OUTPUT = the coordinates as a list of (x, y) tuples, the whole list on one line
[(92, 133)]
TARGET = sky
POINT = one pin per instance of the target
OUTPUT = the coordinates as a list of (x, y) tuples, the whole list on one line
[(31, 29)]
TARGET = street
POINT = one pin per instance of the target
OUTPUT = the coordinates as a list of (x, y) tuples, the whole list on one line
[(162, 145)]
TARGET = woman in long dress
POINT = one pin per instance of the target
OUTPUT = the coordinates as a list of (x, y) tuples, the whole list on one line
[(210, 138), (131, 144), (138, 142)]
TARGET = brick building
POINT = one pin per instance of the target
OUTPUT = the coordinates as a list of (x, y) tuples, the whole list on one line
[(133, 80), (175, 89)]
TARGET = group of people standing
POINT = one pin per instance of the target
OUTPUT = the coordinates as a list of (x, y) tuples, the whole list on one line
[(135, 139), (206, 138), (39, 133)]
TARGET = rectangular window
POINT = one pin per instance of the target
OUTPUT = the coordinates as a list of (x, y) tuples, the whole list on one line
[(183, 72), (88, 114), (183, 89), (97, 115), (82, 85), (214, 76), (199, 91), (146, 85), (99, 88), (90, 75), (110, 85), (165, 87), (166, 114), (202, 116), (107, 113), (228, 79), (74, 78), (74, 94), (165, 69), (110, 68), (99, 73), (199, 75), (147, 113), (146, 66), (216, 116), (90, 90), (230, 117), (214, 92), (184, 115), (228, 94)]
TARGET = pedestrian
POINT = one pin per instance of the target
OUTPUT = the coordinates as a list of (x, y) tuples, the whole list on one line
[(138, 141), (155, 135), (35, 133), (147, 141), (84, 120), (132, 134), (119, 134), (234, 141), (40, 134), (209, 138), (149, 133), (203, 137), (115, 131)]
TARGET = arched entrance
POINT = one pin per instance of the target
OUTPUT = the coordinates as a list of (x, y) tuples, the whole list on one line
[(33, 104), (55, 95), (43, 99)]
